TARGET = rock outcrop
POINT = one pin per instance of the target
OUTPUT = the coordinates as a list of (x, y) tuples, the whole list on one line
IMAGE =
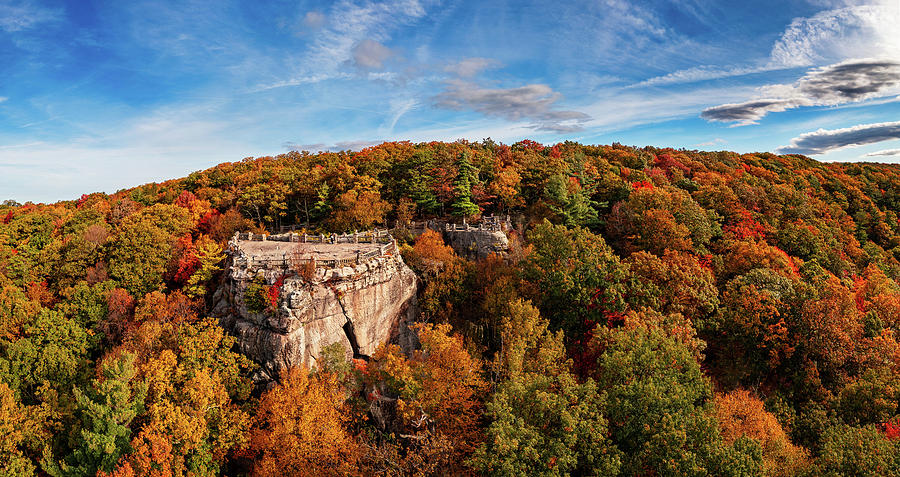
[(476, 244), (359, 306), (472, 241)]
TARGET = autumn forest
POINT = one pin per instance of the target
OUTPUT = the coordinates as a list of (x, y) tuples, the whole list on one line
[(659, 312)]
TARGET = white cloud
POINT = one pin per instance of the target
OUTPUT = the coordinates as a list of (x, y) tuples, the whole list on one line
[(353, 33), (314, 20), (841, 83), (354, 145), (470, 67), (371, 54), (533, 101), (700, 73), (884, 152), (840, 33), (714, 142), (846, 30), (399, 107), (24, 15), (824, 140)]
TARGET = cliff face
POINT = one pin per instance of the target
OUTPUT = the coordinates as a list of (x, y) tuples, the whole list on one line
[(476, 244), (359, 306)]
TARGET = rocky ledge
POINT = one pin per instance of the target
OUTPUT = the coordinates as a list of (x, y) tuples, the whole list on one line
[(359, 306)]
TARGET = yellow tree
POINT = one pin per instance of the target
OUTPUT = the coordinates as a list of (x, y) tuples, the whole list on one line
[(739, 414), (300, 428), (359, 208), (439, 391)]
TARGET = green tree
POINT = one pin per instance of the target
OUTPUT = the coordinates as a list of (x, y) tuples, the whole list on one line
[(659, 403), (568, 199), (578, 278), (107, 409), (466, 177), (143, 245), (543, 422), (858, 451)]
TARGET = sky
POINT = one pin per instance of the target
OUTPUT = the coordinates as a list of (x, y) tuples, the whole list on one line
[(103, 95)]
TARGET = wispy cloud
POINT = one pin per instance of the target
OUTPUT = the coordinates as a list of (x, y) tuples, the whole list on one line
[(701, 73), (370, 54), (354, 32), (714, 142), (748, 112), (822, 141), (885, 152), (845, 82), (314, 20), (23, 15), (338, 146), (535, 102), (841, 32), (470, 67)]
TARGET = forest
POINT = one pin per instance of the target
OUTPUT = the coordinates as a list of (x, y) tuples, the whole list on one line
[(660, 312)]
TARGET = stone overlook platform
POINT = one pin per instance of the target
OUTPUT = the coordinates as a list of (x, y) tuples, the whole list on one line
[(329, 251)]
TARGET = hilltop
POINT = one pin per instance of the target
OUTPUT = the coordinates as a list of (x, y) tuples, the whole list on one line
[(656, 311)]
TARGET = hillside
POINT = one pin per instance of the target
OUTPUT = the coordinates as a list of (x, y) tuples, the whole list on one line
[(658, 312)]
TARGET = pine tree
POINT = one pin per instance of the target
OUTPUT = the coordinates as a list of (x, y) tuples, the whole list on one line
[(107, 409), (462, 188)]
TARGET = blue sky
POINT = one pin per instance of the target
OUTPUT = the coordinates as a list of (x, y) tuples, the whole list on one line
[(101, 95)]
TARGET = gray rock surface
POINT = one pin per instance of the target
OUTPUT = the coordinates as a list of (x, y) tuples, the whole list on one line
[(359, 307), (476, 244)]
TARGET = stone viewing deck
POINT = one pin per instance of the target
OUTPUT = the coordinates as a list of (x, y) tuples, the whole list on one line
[(291, 250)]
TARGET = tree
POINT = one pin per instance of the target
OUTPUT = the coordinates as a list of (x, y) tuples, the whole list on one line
[(466, 177), (359, 208), (578, 280), (446, 276), (107, 409), (438, 392), (300, 428), (863, 451), (14, 429), (543, 422), (209, 255), (570, 201), (140, 255), (659, 403), (675, 282), (741, 414)]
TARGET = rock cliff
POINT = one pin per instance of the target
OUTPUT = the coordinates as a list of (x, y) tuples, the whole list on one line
[(360, 306), (476, 244)]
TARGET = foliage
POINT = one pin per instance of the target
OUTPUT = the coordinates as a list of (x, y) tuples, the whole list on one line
[(637, 281), (300, 428)]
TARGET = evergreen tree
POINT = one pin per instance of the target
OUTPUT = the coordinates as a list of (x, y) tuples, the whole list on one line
[(107, 409), (463, 206)]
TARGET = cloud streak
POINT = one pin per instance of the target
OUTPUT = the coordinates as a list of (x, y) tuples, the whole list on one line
[(885, 152), (24, 15), (470, 67), (338, 146), (849, 31), (840, 83), (534, 102), (823, 140), (370, 54)]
